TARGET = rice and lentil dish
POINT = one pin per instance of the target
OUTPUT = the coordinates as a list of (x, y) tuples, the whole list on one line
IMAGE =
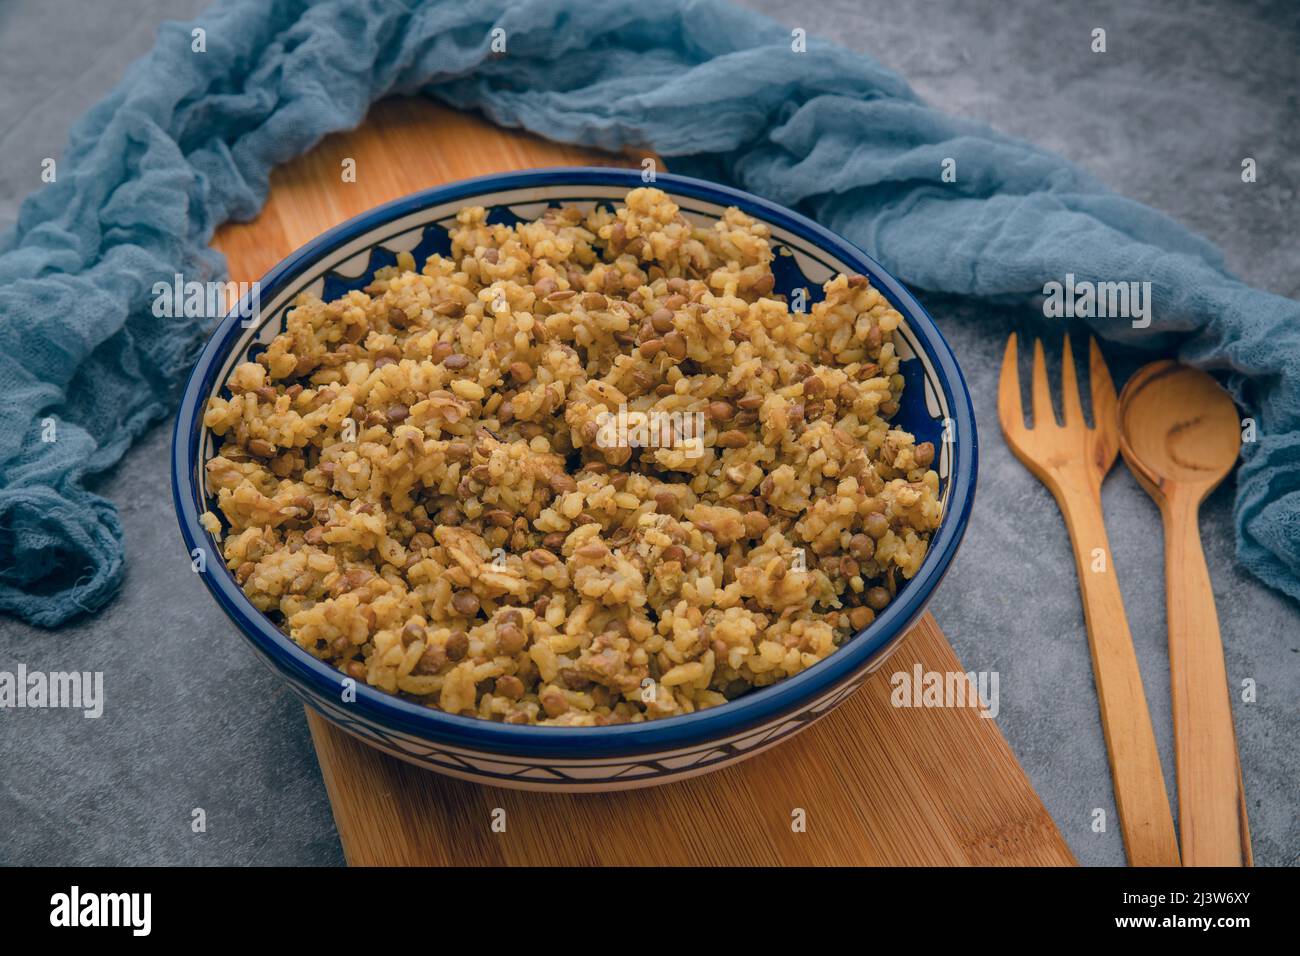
[(413, 488)]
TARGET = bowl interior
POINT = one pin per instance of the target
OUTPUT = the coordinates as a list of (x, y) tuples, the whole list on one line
[(800, 264), (935, 404)]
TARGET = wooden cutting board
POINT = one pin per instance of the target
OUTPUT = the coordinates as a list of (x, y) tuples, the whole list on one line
[(872, 784)]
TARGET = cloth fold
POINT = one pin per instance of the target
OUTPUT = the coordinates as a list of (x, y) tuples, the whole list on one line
[(188, 139)]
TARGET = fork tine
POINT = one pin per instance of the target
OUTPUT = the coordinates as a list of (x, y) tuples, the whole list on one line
[(1071, 404), (1010, 413), (1103, 389), (1040, 390)]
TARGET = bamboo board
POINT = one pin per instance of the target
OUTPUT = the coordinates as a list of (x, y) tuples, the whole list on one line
[(877, 785)]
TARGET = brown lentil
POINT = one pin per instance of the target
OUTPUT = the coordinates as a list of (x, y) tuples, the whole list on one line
[(479, 549)]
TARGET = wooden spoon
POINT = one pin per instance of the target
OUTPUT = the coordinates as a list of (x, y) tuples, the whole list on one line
[(1180, 435)]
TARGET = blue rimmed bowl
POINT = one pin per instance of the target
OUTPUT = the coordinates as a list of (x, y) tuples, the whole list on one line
[(936, 407)]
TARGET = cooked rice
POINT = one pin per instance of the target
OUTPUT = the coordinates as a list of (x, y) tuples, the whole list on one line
[(414, 487)]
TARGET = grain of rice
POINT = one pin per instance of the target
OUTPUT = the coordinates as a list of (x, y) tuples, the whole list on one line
[(412, 487)]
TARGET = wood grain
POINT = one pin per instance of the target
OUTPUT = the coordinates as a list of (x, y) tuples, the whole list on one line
[(1180, 435), (877, 784), (1072, 460)]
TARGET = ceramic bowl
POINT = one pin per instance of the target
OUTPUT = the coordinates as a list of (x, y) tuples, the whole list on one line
[(936, 407)]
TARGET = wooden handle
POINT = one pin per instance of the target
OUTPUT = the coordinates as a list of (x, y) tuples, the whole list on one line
[(1211, 804), (1145, 818)]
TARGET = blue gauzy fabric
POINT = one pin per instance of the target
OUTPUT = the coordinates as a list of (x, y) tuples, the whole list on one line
[(187, 141)]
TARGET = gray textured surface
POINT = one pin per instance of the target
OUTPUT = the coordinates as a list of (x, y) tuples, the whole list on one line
[(1185, 91)]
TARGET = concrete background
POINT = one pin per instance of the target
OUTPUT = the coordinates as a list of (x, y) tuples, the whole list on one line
[(1185, 91)]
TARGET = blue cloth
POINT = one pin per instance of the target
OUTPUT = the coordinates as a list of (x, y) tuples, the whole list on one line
[(187, 141)]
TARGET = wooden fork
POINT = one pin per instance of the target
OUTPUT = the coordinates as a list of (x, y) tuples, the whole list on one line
[(1072, 459)]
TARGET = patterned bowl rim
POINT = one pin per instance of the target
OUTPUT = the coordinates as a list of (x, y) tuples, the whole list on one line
[(754, 709)]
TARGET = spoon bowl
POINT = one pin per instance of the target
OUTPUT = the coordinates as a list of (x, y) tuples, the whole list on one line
[(1179, 430), (1180, 434)]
